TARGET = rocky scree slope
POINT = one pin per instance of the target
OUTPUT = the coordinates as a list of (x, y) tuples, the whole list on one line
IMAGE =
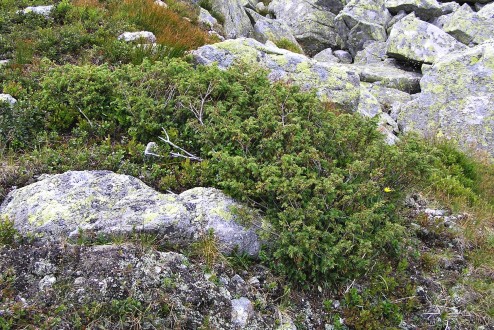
[(440, 53)]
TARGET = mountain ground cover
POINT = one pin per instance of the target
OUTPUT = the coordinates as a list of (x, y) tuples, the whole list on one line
[(331, 188)]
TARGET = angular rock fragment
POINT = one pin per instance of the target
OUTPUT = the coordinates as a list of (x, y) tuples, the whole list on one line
[(312, 22), (362, 21), (416, 40), (469, 27)]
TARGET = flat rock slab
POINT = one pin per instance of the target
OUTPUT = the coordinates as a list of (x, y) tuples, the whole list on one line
[(102, 202), (389, 76)]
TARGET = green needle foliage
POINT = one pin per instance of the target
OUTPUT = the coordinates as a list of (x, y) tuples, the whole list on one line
[(327, 182)]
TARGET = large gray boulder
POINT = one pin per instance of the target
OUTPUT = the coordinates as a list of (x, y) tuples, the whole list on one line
[(470, 27), (416, 40), (332, 81), (237, 23), (312, 22), (362, 21), (457, 99), (105, 203), (274, 30)]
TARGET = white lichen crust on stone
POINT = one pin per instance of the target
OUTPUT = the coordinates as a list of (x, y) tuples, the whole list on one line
[(105, 203)]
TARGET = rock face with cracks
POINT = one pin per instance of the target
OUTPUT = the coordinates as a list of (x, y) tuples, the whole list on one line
[(105, 203)]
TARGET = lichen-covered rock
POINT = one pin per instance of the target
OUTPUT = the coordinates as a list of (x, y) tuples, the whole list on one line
[(326, 56), (390, 99), (311, 21), (457, 99), (237, 23), (390, 76), (39, 10), (374, 52), (7, 98), (425, 9), (362, 21), (441, 20), (242, 310), (469, 27), (333, 82), (105, 203), (416, 40), (272, 29), (137, 36), (369, 106), (206, 19), (487, 11)]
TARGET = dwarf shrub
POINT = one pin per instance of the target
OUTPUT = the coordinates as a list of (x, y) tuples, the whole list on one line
[(327, 182)]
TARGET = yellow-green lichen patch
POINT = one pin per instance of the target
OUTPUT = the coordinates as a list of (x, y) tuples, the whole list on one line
[(150, 217), (50, 212), (170, 209), (222, 213)]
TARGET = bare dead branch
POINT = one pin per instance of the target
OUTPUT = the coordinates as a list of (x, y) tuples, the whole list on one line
[(184, 153), (198, 111)]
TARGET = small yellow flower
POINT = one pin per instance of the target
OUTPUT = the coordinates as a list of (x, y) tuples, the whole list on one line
[(388, 190)]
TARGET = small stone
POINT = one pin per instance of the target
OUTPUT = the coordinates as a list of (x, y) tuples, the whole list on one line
[(260, 7), (135, 36), (242, 310), (435, 213), (236, 280), (39, 10), (47, 282), (79, 281), (161, 3), (343, 56), (254, 281), (43, 268), (7, 98)]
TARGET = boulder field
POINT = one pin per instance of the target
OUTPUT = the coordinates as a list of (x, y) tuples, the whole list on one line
[(439, 53)]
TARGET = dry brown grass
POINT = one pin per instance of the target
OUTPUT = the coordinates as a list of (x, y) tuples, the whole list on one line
[(170, 28)]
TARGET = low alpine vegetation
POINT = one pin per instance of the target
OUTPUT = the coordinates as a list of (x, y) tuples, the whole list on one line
[(329, 186)]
